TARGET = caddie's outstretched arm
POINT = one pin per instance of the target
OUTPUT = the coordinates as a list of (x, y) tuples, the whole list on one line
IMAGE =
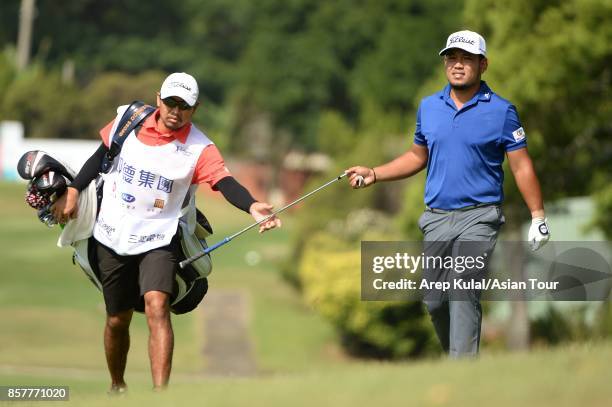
[(241, 198), (404, 166)]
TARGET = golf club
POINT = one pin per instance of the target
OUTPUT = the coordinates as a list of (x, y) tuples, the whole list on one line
[(193, 258)]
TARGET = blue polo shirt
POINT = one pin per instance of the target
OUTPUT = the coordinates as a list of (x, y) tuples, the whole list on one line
[(466, 147)]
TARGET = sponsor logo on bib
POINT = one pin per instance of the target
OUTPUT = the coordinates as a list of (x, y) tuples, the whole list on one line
[(128, 198)]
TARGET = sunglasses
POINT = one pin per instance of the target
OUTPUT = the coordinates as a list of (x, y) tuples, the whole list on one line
[(172, 103)]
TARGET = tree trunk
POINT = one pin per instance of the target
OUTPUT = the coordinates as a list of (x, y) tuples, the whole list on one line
[(24, 39), (517, 332)]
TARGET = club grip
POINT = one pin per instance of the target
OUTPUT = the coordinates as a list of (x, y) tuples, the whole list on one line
[(204, 252)]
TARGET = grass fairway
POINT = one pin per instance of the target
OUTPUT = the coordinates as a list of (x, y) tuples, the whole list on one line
[(567, 376), (52, 320)]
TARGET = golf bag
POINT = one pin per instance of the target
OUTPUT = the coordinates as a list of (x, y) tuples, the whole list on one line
[(48, 179)]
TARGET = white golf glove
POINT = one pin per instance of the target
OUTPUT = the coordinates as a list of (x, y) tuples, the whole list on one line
[(538, 233)]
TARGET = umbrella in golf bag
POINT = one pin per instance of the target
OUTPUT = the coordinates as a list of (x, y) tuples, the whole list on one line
[(48, 178)]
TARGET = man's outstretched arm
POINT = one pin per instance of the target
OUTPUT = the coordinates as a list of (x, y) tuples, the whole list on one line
[(404, 166)]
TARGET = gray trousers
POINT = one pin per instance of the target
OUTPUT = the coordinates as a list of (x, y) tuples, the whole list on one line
[(457, 316)]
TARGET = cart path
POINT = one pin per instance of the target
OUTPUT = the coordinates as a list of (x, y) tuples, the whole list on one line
[(228, 349)]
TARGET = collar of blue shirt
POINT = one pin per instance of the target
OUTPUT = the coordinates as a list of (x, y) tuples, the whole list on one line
[(484, 94)]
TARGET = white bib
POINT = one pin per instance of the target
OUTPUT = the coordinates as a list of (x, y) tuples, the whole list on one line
[(145, 191)]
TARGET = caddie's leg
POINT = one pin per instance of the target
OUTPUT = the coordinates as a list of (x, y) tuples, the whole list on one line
[(161, 336), (120, 290), (116, 346), (157, 271)]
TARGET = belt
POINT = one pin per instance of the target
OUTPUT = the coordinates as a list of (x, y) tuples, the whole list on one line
[(465, 208)]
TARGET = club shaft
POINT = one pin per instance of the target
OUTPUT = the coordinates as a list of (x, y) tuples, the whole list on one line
[(193, 258), (289, 205)]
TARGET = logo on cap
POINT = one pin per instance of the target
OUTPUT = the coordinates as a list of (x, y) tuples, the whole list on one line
[(466, 40), (460, 39), (179, 85)]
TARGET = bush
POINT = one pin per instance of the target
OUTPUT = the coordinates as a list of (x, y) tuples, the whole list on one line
[(330, 276), (101, 97), (46, 106)]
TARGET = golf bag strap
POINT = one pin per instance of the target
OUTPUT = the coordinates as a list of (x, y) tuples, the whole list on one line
[(132, 118)]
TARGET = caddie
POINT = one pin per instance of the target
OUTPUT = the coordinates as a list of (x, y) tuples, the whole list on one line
[(158, 168), (463, 133)]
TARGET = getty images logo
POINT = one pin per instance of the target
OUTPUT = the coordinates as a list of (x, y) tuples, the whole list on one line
[(460, 38)]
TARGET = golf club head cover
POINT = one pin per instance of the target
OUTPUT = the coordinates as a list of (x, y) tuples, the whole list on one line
[(35, 198), (43, 191), (34, 163)]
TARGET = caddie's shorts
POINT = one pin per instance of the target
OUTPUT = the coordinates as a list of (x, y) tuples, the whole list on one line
[(125, 279)]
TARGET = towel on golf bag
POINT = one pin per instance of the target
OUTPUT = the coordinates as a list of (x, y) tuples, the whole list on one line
[(81, 228), (49, 178)]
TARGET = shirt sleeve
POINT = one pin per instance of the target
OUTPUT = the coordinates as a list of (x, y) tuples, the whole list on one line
[(210, 168), (105, 132), (513, 135), (418, 136), (90, 170)]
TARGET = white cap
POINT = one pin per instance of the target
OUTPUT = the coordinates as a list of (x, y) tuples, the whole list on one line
[(469, 41), (182, 85)]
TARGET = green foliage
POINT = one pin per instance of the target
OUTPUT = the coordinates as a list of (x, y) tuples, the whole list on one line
[(372, 143), (109, 90), (273, 63), (405, 51), (7, 69), (335, 136), (603, 205), (47, 106), (413, 208), (603, 326), (568, 325), (329, 271)]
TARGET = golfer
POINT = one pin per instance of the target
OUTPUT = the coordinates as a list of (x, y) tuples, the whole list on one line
[(159, 166), (463, 133)]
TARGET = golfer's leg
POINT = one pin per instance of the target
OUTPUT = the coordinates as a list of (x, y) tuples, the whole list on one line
[(437, 234), (161, 336), (117, 345), (439, 313), (435, 299), (479, 229), (465, 322)]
